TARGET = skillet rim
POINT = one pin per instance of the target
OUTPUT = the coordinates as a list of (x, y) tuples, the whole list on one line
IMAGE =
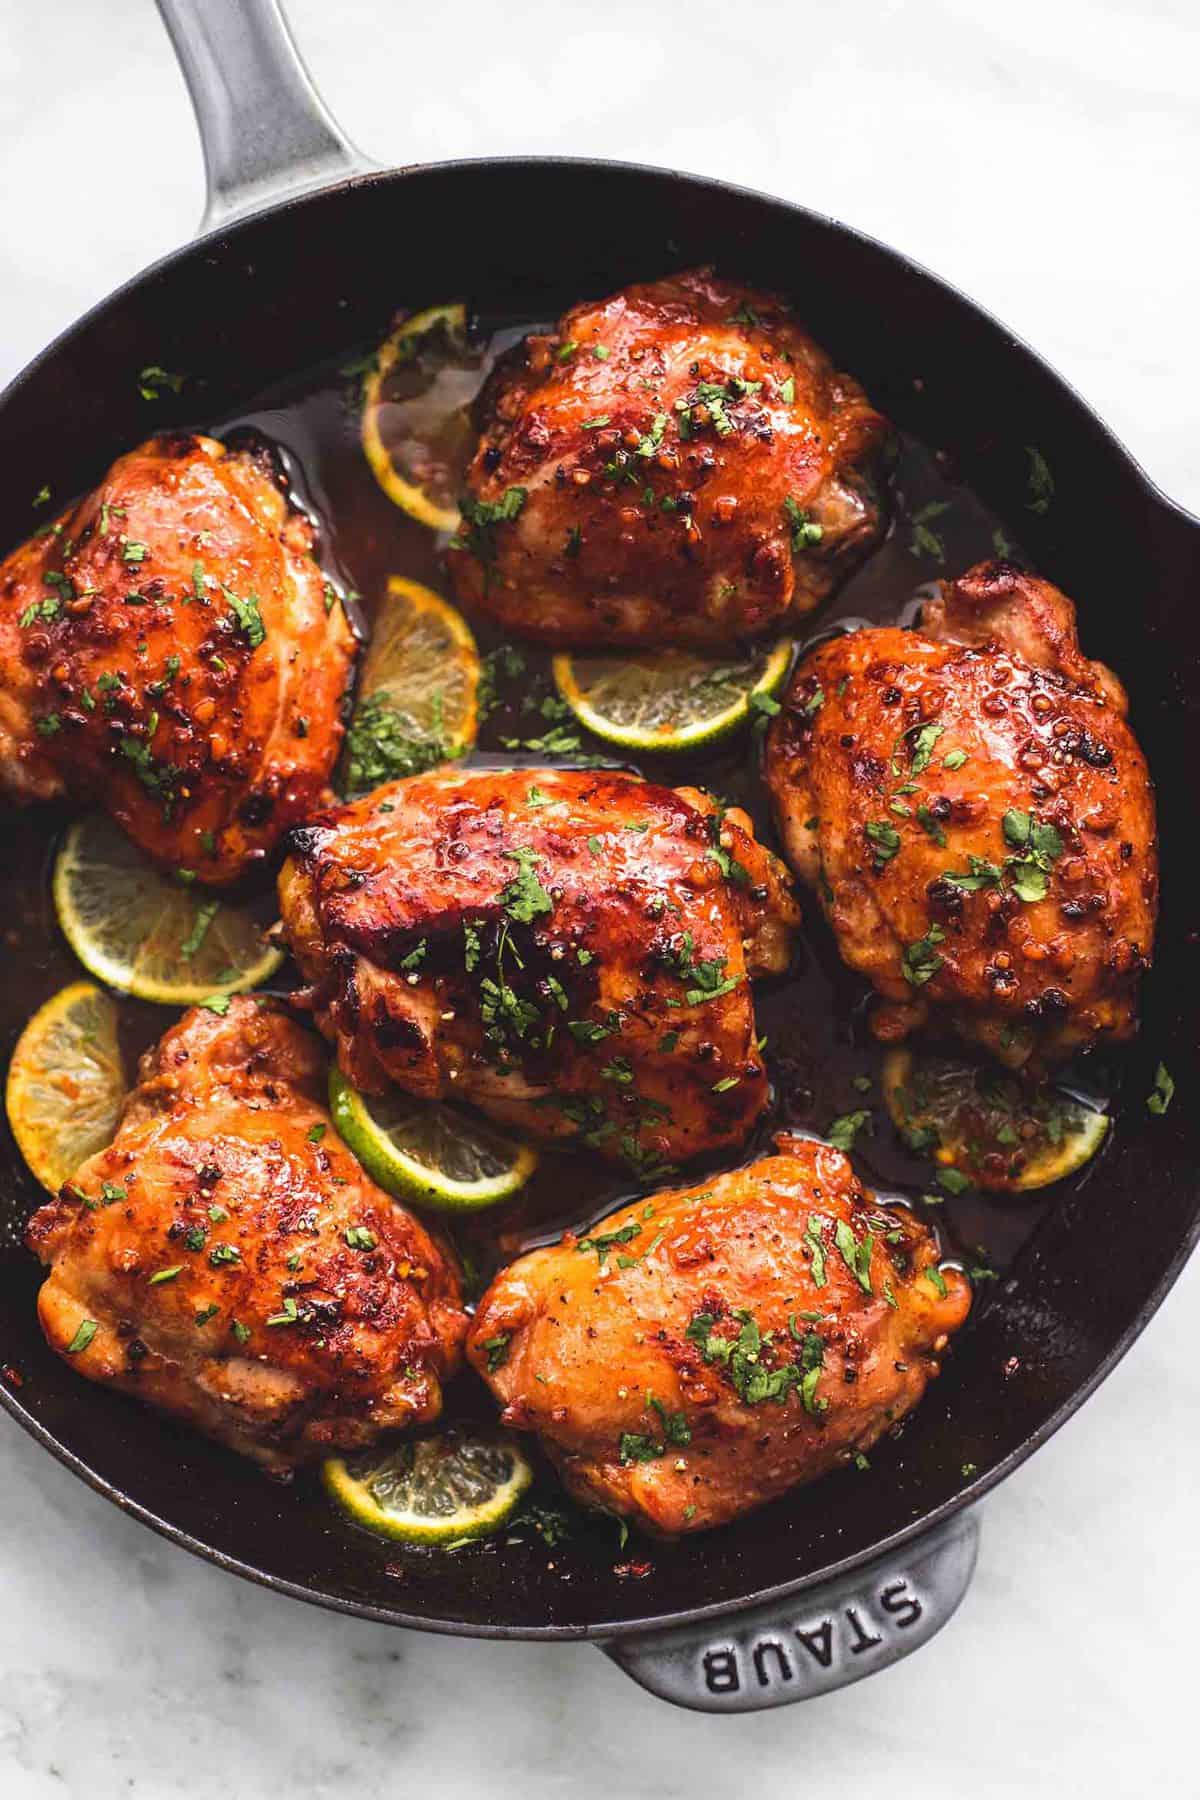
[(969, 1495)]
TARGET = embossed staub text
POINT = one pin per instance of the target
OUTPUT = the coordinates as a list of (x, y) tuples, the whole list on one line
[(812, 1649)]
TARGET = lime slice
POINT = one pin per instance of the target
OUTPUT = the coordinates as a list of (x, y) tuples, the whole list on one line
[(994, 1129), (66, 1083), (668, 699), (428, 1153), (416, 425), (145, 934), (433, 1490), (418, 697)]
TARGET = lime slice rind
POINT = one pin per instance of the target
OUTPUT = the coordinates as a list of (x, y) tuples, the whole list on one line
[(418, 444), (424, 662), (431, 1154), (418, 697), (142, 933), (66, 1083), (668, 700), (442, 1489), (1049, 1133)]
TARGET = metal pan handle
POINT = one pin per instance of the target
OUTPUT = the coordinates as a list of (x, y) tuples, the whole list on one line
[(821, 1639), (265, 131)]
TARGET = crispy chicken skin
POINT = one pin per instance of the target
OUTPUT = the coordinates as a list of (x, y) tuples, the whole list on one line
[(570, 951), (239, 1268), (977, 817), (698, 1354), (679, 463), (166, 651)]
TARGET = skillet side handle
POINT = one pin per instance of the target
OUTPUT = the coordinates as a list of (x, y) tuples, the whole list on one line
[(818, 1640), (265, 131)]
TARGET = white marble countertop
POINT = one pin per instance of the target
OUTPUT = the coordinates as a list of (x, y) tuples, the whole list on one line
[(1045, 158)]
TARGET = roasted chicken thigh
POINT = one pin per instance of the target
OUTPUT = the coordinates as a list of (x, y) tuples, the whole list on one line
[(679, 463), (699, 1353), (167, 650), (570, 951), (977, 817), (227, 1260)]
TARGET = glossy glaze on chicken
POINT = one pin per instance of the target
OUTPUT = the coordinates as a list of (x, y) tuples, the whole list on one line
[(227, 1259), (570, 951), (976, 816), (679, 463), (169, 650), (709, 1348)]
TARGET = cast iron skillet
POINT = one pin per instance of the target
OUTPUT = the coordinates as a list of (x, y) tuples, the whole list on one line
[(306, 250)]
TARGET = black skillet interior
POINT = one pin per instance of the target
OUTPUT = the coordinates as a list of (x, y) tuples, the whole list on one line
[(298, 286)]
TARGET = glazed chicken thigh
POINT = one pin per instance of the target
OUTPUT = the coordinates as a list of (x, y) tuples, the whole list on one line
[(699, 1353), (977, 817), (167, 650), (678, 463), (227, 1260), (570, 951)]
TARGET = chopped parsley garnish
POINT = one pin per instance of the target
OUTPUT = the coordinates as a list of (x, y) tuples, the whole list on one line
[(153, 380), (359, 1237), (653, 438), (931, 826), (884, 840), (479, 519), (39, 609), (205, 914), (605, 1241), (587, 1031), (920, 962), (497, 1350), (740, 1358), (805, 531), (1041, 482), (1039, 846), (983, 874), (381, 748), (816, 1246), (525, 899), (1162, 1093), (166, 1274), (84, 1334), (638, 1447), (216, 1003), (924, 541), (855, 1253), (290, 1314), (248, 616), (844, 1130), (713, 397)]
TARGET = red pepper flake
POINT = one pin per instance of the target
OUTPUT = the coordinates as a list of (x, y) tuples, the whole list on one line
[(633, 1571), (13, 1376)]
